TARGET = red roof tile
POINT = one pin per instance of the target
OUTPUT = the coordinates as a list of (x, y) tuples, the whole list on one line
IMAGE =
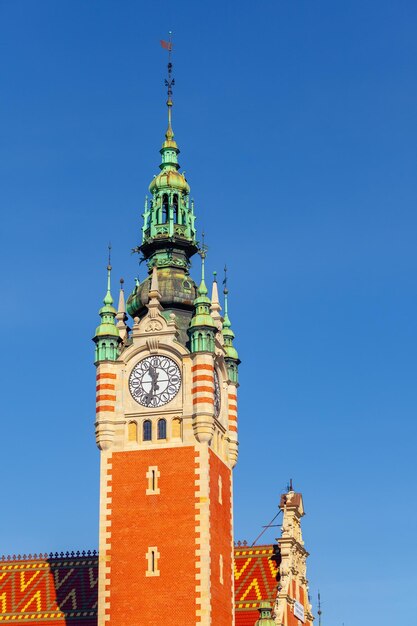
[(53, 591), (255, 580), (61, 591)]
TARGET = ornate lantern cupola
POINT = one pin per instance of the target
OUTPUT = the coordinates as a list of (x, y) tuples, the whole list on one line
[(202, 328), (232, 358), (170, 213), (168, 234), (107, 338), (265, 615)]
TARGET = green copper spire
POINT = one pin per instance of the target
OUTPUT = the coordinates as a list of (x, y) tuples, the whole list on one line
[(202, 328), (108, 300), (168, 234), (107, 336), (169, 217), (265, 615), (232, 357), (202, 290), (169, 83)]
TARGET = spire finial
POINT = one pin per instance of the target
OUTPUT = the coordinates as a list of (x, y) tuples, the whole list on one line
[(215, 304), (154, 290), (169, 83), (228, 335), (154, 304), (121, 308), (121, 313), (203, 253), (225, 292), (108, 299), (202, 290)]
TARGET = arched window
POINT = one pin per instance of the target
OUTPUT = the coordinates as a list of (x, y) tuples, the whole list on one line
[(132, 431), (200, 345), (176, 427), (162, 429), (147, 430), (176, 220), (165, 209)]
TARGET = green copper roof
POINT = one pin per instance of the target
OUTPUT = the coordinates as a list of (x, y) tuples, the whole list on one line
[(227, 331), (202, 316), (202, 289), (168, 219), (265, 615), (202, 329), (107, 313)]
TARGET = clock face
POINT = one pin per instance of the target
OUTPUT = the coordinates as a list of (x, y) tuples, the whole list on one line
[(216, 395), (155, 381)]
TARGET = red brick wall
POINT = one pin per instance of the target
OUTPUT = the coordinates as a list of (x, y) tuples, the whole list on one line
[(166, 521), (221, 543), (297, 594)]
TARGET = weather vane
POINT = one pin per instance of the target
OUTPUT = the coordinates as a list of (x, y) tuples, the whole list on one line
[(169, 82), (203, 250)]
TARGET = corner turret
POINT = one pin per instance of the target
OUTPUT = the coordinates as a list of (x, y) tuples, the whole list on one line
[(202, 328), (107, 337), (232, 357)]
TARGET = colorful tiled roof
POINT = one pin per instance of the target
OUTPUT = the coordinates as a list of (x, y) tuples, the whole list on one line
[(61, 589), (48, 589), (255, 580)]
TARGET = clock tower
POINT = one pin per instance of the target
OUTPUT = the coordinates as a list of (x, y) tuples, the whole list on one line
[(166, 427)]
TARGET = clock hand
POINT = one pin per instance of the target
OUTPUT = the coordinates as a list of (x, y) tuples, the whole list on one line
[(154, 385), (154, 376)]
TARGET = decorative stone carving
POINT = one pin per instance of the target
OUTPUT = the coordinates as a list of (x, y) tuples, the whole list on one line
[(153, 326), (152, 344)]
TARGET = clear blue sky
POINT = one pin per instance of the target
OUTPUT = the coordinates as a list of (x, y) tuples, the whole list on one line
[(297, 125)]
